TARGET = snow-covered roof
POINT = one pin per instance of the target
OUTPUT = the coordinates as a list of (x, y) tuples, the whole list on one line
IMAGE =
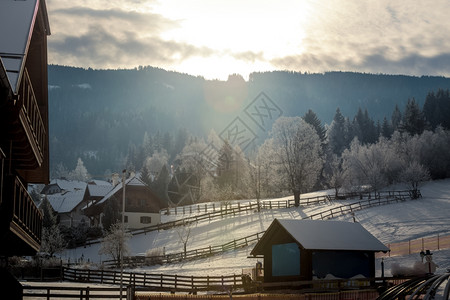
[(99, 190), (66, 202), (134, 181), (99, 182), (325, 235), (17, 20), (69, 185)]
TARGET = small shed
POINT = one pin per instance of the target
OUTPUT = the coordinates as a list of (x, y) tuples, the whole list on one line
[(296, 250)]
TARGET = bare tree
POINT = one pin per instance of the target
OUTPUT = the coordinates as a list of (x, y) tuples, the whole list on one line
[(184, 233), (115, 242)]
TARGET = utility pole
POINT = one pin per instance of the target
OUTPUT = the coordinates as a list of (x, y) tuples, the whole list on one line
[(123, 232)]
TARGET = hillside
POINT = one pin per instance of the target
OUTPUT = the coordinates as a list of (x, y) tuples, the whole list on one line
[(98, 114), (427, 216)]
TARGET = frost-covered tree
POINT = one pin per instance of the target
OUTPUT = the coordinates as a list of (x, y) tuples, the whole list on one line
[(364, 166), (413, 175), (52, 240), (335, 174), (115, 243), (155, 163), (297, 150), (61, 171), (80, 172)]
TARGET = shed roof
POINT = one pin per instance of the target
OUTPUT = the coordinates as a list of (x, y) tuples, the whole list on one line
[(323, 235), (17, 19)]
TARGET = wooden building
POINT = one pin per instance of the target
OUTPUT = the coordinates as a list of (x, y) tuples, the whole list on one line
[(24, 151), (296, 250), (142, 206)]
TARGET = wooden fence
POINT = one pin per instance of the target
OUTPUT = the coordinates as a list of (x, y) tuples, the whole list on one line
[(437, 242), (88, 293), (380, 199), (237, 208), (360, 294), (71, 292), (154, 282)]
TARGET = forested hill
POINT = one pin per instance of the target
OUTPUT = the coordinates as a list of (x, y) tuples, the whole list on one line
[(98, 114)]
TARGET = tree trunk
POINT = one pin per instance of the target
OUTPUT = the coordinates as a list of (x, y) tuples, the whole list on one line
[(296, 198)]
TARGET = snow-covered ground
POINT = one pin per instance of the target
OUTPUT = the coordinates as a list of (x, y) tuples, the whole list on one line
[(391, 223)]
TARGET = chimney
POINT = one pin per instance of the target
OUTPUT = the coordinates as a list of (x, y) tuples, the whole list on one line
[(132, 174), (115, 179)]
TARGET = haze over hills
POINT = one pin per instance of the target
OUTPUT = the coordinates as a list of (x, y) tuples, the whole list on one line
[(98, 114)]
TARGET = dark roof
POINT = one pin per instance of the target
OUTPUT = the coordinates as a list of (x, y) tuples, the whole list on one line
[(322, 235)]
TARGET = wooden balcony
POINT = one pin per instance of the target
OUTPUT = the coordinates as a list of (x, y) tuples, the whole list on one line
[(25, 129), (21, 220)]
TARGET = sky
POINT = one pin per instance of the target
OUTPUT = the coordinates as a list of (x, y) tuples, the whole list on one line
[(217, 38)]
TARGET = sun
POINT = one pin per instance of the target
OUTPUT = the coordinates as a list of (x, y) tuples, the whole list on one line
[(238, 36)]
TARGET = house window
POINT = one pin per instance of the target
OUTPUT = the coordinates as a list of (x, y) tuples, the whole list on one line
[(142, 203), (146, 220), (125, 219), (285, 260)]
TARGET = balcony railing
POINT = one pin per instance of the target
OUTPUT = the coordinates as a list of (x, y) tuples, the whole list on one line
[(31, 118), (27, 218)]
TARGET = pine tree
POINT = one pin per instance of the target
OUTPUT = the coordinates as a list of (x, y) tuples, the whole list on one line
[(396, 118), (364, 127), (386, 129), (338, 134), (160, 185), (437, 109), (145, 175), (311, 118), (80, 172), (413, 120), (226, 166)]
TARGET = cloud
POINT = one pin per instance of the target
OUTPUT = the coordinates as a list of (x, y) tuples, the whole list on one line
[(401, 37), (115, 38), (149, 22), (413, 64)]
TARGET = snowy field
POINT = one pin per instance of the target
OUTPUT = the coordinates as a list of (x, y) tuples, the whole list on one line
[(391, 223)]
